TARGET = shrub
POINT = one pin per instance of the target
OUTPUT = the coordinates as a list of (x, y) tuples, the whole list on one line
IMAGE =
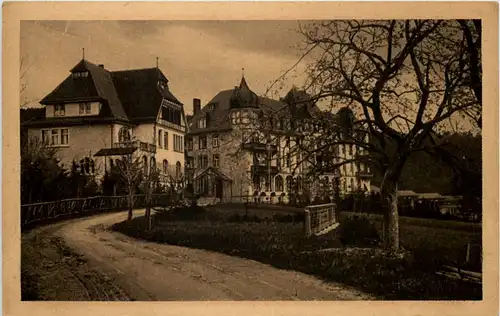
[(358, 231)]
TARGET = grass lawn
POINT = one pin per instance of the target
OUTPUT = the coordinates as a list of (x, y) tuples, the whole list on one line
[(277, 239)]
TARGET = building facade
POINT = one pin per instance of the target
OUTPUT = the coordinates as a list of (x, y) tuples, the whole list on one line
[(96, 116), (243, 145)]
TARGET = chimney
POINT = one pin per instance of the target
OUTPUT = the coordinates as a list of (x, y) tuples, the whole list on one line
[(101, 65), (196, 106)]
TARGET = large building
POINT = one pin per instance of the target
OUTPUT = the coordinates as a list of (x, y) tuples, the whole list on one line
[(240, 144), (96, 116)]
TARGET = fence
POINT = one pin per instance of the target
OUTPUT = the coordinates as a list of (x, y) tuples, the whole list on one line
[(320, 219), (44, 211)]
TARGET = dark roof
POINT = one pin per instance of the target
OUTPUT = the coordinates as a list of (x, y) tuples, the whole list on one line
[(32, 114), (147, 103), (213, 171), (218, 117), (128, 95), (116, 151), (243, 97)]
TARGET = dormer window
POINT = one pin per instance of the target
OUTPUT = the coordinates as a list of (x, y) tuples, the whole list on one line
[(80, 74), (211, 106), (59, 110), (85, 108), (162, 84), (202, 123)]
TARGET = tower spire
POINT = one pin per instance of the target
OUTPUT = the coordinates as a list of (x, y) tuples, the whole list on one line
[(156, 62), (83, 53), (242, 72)]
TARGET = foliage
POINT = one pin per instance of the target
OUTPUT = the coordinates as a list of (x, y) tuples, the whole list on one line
[(400, 82), (44, 179), (282, 245), (358, 231)]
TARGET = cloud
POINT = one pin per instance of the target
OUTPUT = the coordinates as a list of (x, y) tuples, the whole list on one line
[(200, 58)]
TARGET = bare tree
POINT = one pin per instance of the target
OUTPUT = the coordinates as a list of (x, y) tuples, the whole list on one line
[(129, 173), (400, 82), (24, 68)]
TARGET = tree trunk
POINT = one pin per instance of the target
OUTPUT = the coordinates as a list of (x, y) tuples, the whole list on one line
[(389, 195), (148, 218), (130, 205), (391, 221)]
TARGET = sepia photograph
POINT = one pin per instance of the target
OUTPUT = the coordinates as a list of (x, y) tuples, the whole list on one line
[(251, 160), (260, 160)]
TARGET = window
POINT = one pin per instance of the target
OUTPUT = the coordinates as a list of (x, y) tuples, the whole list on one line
[(288, 160), (203, 161), (59, 110), (145, 164), (160, 138), (81, 74), (278, 183), (189, 144), (178, 171), (165, 140), (350, 149), (165, 165), (202, 123), (235, 117), (64, 136), (153, 164), (203, 142), (245, 117), (215, 141), (211, 106), (55, 137), (289, 182), (190, 162), (85, 108), (45, 137), (178, 143), (124, 135), (216, 161)]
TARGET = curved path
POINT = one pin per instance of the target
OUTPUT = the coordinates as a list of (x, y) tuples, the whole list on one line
[(111, 266)]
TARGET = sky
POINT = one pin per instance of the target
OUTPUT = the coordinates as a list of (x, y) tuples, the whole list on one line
[(200, 58)]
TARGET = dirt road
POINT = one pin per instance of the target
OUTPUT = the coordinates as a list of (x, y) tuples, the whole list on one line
[(100, 264)]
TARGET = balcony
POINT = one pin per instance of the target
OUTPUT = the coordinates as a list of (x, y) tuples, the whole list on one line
[(256, 146), (172, 125), (143, 146), (264, 170), (364, 174)]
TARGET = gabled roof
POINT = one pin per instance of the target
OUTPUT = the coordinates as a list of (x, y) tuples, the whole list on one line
[(140, 93), (128, 95), (97, 86), (212, 171)]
